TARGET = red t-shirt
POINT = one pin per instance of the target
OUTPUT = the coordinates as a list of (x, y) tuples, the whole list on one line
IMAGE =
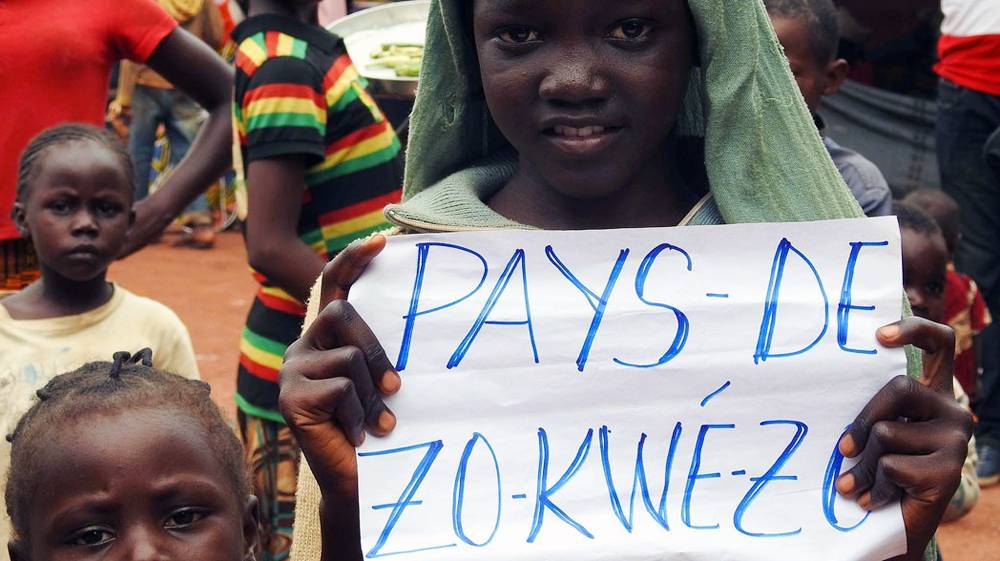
[(969, 48), (55, 64), (966, 312)]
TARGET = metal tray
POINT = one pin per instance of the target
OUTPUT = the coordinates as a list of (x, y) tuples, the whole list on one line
[(364, 32)]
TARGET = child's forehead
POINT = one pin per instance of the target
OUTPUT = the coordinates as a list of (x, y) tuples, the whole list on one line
[(74, 150), (135, 428), (83, 155), (928, 241)]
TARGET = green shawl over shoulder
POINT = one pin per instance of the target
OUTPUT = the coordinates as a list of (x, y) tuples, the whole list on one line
[(765, 161)]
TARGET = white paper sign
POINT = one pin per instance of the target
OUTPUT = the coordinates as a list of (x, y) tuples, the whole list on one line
[(643, 394)]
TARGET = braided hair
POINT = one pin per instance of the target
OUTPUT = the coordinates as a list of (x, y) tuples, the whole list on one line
[(130, 382), (29, 167)]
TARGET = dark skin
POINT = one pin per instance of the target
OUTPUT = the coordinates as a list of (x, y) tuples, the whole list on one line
[(925, 261), (77, 214), (334, 378), (195, 69), (108, 492), (553, 72), (816, 76), (275, 197), (945, 213)]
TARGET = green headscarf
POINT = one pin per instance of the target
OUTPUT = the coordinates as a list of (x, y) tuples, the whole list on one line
[(764, 157)]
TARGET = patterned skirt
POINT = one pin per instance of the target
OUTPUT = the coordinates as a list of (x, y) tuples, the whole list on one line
[(273, 458)]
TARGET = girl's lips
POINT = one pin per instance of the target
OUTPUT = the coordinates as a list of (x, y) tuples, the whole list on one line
[(581, 141), (84, 253), (577, 132)]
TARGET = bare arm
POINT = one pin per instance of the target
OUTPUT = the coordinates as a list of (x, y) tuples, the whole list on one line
[(194, 68), (127, 74), (273, 246)]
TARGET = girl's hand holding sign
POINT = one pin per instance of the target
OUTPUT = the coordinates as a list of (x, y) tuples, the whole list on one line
[(910, 438)]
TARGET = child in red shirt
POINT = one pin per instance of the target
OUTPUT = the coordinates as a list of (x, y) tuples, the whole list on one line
[(964, 308)]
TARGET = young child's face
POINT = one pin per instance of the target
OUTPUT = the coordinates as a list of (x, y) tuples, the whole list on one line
[(77, 210), (816, 78), (925, 260), (587, 91), (138, 484)]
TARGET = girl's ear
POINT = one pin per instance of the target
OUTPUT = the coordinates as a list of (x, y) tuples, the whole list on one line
[(251, 523), (835, 73), (17, 213)]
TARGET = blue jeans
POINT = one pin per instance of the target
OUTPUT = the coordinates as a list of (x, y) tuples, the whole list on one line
[(966, 121), (182, 119)]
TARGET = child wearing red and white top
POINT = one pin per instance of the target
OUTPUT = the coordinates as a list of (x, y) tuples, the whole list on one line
[(969, 47), (964, 307)]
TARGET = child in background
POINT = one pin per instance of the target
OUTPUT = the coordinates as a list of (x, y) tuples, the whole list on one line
[(925, 267), (964, 308), (124, 461), (147, 100), (808, 31), (56, 65), (580, 114), (74, 197), (319, 161)]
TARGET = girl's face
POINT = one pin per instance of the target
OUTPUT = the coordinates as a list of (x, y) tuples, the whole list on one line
[(77, 210), (136, 485), (587, 91), (925, 262)]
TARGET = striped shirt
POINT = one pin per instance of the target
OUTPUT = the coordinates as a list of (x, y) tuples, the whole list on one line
[(298, 94), (969, 47)]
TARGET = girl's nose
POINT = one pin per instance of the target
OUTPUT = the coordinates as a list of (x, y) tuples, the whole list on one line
[(142, 546), (917, 301), (84, 223), (576, 79)]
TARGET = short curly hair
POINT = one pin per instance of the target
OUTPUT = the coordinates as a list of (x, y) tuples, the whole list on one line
[(914, 219), (107, 388), (820, 16)]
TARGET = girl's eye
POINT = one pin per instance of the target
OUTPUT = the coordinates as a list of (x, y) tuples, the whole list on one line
[(108, 209), (183, 518), (58, 206), (518, 34), (630, 30), (935, 289), (92, 537)]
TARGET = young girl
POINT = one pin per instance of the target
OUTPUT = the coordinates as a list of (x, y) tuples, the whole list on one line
[(571, 114), (925, 273), (74, 203), (89, 477)]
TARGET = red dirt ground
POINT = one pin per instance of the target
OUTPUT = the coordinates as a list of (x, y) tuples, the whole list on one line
[(211, 290)]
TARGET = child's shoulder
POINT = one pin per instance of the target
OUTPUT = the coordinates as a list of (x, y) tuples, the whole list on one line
[(268, 37), (148, 322), (143, 313)]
